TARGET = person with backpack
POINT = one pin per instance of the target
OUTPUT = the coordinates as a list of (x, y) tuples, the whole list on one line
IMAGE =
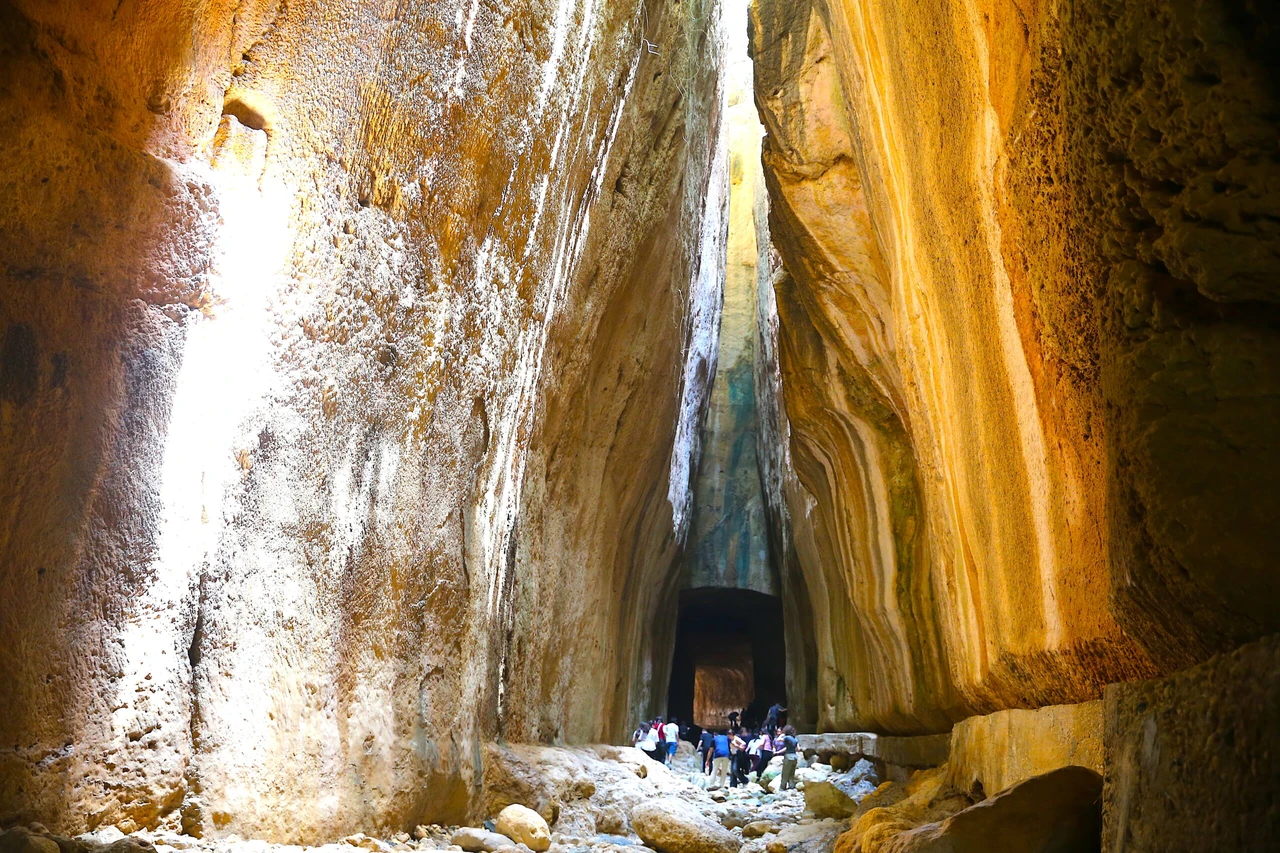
[(720, 761), (789, 745)]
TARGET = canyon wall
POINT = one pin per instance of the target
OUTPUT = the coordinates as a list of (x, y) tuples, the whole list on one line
[(1026, 343), (345, 349), (728, 534)]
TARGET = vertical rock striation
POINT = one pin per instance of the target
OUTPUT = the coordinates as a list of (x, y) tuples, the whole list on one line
[(341, 356), (1024, 396), (728, 536)]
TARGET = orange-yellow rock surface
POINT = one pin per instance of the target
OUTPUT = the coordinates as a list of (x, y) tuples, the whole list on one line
[(1025, 343)]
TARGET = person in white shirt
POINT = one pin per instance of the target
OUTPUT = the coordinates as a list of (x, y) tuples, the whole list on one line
[(649, 742), (671, 734)]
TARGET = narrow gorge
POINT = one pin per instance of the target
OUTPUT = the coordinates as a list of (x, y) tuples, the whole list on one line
[(402, 401)]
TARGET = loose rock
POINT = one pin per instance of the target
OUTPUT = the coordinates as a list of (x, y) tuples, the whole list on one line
[(525, 826), (474, 840), (672, 826)]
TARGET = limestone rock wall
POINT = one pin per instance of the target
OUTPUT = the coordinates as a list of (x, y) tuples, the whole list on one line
[(1025, 341), (728, 535), (342, 352), (1183, 753)]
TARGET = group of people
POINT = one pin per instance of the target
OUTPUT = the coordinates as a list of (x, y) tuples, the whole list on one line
[(658, 739), (729, 755), (734, 754)]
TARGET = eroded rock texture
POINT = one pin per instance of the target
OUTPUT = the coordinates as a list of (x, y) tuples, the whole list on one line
[(1026, 342), (728, 538), (1191, 758), (343, 349)]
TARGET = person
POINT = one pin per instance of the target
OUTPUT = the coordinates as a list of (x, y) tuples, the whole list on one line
[(706, 749), (733, 720), (638, 734), (788, 759), (765, 755), (649, 744), (776, 716), (753, 749), (671, 734), (737, 764), (720, 749)]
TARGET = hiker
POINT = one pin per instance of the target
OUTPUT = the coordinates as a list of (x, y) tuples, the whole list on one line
[(706, 749), (638, 734), (733, 721), (720, 760), (776, 717), (788, 759), (765, 755), (671, 734), (738, 762), (753, 751), (650, 744)]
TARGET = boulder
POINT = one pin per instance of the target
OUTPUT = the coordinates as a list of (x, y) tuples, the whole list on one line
[(817, 836), (864, 769), (669, 825), (832, 798), (475, 840), (734, 818), (1060, 811), (525, 826), (22, 840), (757, 828)]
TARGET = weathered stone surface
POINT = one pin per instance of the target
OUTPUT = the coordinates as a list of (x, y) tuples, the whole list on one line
[(894, 809), (921, 751), (816, 837), (1011, 373), (1193, 760), (757, 828), (525, 826), (669, 825), (727, 544), (20, 840), (475, 840), (1060, 811), (996, 751), (340, 345), (836, 797)]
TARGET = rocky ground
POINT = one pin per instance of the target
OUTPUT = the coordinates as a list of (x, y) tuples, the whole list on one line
[(559, 800), (607, 799)]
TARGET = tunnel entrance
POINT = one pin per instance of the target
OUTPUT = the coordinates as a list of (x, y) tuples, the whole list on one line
[(730, 655)]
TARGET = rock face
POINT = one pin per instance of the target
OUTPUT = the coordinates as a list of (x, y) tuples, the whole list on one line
[(1059, 812), (346, 351), (728, 536), (1191, 759), (997, 751), (1025, 341), (672, 826)]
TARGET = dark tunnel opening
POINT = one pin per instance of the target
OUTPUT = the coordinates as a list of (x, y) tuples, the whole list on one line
[(730, 654)]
